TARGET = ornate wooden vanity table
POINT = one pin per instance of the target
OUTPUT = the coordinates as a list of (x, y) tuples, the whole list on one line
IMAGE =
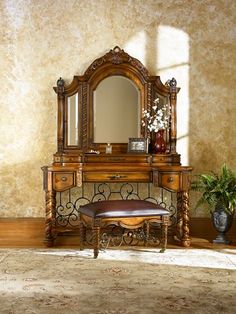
[(103, 106)]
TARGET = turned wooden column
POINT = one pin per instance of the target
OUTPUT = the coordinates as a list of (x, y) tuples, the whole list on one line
[(50, 206), (183, 218), (82, 232), (164, 231), (96, 236), (49, 214), (60, 99), (173, 123)]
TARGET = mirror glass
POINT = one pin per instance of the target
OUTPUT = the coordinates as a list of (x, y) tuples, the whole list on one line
[(116, 110), (72, 120)]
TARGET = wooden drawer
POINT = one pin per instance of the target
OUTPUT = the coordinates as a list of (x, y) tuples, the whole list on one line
[(168, 180), (161, 158), (71, 159), (92, 176), (171, 181), (125, 158), (165, 159), (172, 178), (67, 159), (63, 180)]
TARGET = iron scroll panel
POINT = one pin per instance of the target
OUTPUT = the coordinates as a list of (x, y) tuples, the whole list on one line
[(68, 202)]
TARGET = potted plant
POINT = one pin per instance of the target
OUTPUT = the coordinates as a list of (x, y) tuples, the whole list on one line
[(219, 192)]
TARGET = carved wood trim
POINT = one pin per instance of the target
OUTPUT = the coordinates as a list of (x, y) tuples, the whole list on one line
[(84, 117), (149, 103), (61, 99), (116, 56), (79, 178)]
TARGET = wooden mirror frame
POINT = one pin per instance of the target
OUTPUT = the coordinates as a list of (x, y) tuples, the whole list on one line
[(115, 62)]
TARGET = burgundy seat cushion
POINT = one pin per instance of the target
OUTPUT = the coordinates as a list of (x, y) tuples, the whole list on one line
[(122, 209)]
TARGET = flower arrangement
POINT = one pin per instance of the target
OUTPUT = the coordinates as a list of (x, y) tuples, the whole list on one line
[(159, 119)]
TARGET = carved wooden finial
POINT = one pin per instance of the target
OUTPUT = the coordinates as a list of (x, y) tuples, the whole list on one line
[(60, 86), (172, 82), (117, 49), (60, 82), (117, 55)]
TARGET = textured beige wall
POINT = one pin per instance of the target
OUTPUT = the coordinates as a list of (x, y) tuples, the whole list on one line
[(44, 39)]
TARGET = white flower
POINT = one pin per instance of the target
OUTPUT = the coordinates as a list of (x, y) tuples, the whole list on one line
[(158, 118)]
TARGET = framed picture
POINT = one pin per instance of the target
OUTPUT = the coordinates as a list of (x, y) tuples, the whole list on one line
[(138, 145)]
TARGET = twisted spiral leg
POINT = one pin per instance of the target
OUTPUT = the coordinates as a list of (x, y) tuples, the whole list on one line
[(82, 231), (147, 233), (183, 218), (164, 231), (96, 237), (50, 217)]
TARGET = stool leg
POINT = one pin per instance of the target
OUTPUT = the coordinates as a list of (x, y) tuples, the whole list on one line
[(164, 231), (147, 231), (96, 237), (82, 232)]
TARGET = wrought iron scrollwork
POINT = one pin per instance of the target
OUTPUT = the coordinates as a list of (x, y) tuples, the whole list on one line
[(140, 236), (68, 202)]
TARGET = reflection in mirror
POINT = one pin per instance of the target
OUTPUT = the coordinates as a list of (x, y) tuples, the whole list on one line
[(116, 110), (72, 113)]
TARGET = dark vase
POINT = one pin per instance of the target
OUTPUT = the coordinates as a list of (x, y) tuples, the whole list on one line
[(222, 222), (159, 146)]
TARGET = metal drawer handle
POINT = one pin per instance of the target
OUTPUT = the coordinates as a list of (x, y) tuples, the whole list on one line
[(63, 178), (116, 176), (170, 179)]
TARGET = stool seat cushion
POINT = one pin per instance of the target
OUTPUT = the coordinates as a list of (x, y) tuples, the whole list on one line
[(122, 209)]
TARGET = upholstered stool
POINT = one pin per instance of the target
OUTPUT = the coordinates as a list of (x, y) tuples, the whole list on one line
[(130, 214)]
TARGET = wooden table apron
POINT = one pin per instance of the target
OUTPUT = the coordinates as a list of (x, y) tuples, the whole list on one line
[(172, 178)]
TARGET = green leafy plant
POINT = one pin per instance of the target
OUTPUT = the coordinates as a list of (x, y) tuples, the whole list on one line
[(217, 189)]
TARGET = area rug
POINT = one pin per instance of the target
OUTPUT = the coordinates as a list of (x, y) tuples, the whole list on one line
[(137, 281)]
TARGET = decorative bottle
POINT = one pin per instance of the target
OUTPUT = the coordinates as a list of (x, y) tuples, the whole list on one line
[(108, 148)]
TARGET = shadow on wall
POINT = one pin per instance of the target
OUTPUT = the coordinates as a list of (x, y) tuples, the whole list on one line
[(206, 108)]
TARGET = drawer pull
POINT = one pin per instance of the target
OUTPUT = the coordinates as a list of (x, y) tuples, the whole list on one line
[(116, 176), (64, 179), (170, 179)]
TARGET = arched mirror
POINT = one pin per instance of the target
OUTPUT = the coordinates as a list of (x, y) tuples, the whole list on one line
[(107, 105), (116, 110)]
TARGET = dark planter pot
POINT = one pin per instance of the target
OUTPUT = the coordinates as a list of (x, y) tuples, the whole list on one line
[(222, 222)]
